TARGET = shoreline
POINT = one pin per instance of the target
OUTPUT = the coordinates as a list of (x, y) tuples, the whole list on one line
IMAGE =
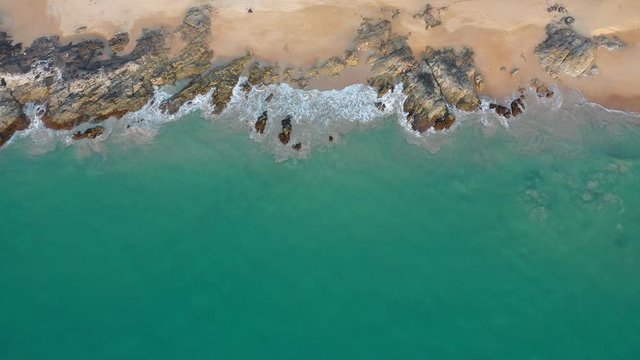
[(308, 46)]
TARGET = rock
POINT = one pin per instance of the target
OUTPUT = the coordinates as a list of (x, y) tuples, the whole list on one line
[(330, 138), (12, 119), (517, 107), (261, 124), (297, 147), (285, 135), (430, 15), (503, 111), (541, 89), (119, 42), (564, 51), (381, 106), (90, 133), (269, 98)]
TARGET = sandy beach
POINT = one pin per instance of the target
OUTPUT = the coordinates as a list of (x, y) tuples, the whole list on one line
[(302, 32)]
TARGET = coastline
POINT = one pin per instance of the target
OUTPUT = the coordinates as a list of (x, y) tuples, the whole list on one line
[(309, 36)]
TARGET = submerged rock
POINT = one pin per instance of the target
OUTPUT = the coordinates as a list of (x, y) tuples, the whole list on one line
[(90, 133), (567, 52)]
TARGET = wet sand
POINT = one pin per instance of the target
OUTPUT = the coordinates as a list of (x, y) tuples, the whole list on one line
[(302, 33)]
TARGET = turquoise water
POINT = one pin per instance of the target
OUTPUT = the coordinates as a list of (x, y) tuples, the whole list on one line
[(519, 243)]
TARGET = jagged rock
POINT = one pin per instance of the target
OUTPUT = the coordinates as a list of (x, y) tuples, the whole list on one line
[(223, 78), (261, 124), (90, 133), (269, 98), (456, 75), (564, 51), (12, 118), (119, 42), (285, 135), (297, 147), (430, 15)]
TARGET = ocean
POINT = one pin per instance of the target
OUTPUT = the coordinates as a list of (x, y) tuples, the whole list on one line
[(193, 240)]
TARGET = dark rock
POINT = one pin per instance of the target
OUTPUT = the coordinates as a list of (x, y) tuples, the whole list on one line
[(330, 138), (269, 98), (381, 106), (297, 147), (517, 107), (285, 135), (261, 124), (503, 111), (90, 133)]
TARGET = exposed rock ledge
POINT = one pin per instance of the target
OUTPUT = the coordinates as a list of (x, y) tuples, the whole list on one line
[(94, 80)]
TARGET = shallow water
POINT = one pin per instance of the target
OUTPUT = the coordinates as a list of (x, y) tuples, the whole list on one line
[(491, 243)]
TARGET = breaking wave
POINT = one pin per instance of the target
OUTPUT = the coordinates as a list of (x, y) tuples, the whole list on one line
[(321, 117)]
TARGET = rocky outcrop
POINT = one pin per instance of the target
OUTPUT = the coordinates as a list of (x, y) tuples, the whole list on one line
[(439, 78), (12, 118), (77, 84), (90, 133), (566, 52)]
